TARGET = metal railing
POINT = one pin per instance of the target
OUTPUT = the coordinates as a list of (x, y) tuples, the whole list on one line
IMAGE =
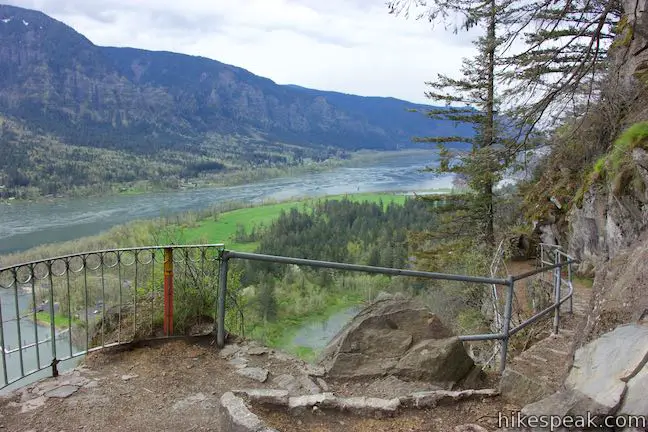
[(57, 309), (61, 308), (503, 336)]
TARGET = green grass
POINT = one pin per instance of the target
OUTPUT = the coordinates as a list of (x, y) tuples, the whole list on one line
[(223, 228), (60, 321)]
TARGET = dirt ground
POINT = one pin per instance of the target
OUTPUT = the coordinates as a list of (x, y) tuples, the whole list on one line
[(176, 386)]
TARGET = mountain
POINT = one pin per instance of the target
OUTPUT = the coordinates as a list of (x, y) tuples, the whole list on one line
[(60, 88)]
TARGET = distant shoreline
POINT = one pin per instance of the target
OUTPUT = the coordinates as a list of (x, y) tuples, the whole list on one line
[(233, 178)]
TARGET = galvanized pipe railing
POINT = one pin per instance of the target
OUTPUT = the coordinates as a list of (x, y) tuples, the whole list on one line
[(505, 334), (93, 300)]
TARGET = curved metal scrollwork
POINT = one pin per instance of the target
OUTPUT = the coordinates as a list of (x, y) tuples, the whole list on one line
[(114, 296)]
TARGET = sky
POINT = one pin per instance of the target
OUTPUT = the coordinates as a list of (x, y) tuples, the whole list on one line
[(352, 46)]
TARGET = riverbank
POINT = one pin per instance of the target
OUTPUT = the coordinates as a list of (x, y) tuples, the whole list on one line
[(216, 225), (231, 178)]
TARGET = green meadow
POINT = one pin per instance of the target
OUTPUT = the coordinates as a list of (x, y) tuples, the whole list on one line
[(222, 228)]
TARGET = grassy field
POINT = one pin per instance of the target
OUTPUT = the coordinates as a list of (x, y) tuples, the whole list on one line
[(223, 228), (60, 321)]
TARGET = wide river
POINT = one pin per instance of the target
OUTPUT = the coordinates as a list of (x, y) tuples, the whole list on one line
[(25, 225)]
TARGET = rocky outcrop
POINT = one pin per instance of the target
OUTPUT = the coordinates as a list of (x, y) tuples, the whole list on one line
[(609, 377), (400, 337), (630, 52), (619, 292), (234, 416), (607, 223)]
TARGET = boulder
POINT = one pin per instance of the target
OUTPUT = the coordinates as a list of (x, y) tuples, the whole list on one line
[(442, 361), (609, 377), (400, 337)]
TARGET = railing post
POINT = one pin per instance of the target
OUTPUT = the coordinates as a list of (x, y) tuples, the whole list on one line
[(168, 291), (508, 312), (222, 295), (557, 283)]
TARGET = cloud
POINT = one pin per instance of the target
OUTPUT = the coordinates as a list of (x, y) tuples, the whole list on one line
[(352, 46)]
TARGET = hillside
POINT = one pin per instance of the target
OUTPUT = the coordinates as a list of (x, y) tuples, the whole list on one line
[(185, 115)]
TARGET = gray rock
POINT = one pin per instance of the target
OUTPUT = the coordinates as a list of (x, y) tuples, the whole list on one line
[(428, 399), (566, 402), (635, 401), (76, 380), (296, 385), (254, 373), (62, 391), (521, 389), (400, 337), (235, 417), (368, 406), (129, 377), (602, 367), (608, 377), (322, 384), (314, 371), (238, 362), (265, 396), (440, 361), (255, 351), (322, 400), (229, 351)]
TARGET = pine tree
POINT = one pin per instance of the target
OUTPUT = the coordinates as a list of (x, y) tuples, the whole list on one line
[(471, 99)]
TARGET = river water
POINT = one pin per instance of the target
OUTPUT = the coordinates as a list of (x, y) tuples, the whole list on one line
[(26, 225)]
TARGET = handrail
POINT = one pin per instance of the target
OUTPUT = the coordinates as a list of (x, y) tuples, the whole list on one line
[(100, 251), (362, 268), (117, 291)]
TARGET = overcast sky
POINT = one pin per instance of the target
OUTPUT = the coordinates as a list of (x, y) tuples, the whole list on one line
[(352, 46)]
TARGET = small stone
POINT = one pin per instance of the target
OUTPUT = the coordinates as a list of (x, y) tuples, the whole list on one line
[(129, 377), (254, 373), (265, 396), (322, 384), (229, 351), (258, 351), (314, 371), (238, 362), (235, 416), (62, 392), (307, 401), (76, 380)]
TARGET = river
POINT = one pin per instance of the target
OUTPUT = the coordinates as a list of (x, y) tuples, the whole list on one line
[(24, 225)]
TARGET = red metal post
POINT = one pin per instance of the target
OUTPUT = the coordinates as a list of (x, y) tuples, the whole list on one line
[(168, 291)]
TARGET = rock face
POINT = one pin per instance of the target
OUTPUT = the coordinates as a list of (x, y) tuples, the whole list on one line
[(631, 56), (397, 337), (609, 377)]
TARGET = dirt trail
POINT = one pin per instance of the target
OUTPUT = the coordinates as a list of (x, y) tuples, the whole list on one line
[(176, 386)]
